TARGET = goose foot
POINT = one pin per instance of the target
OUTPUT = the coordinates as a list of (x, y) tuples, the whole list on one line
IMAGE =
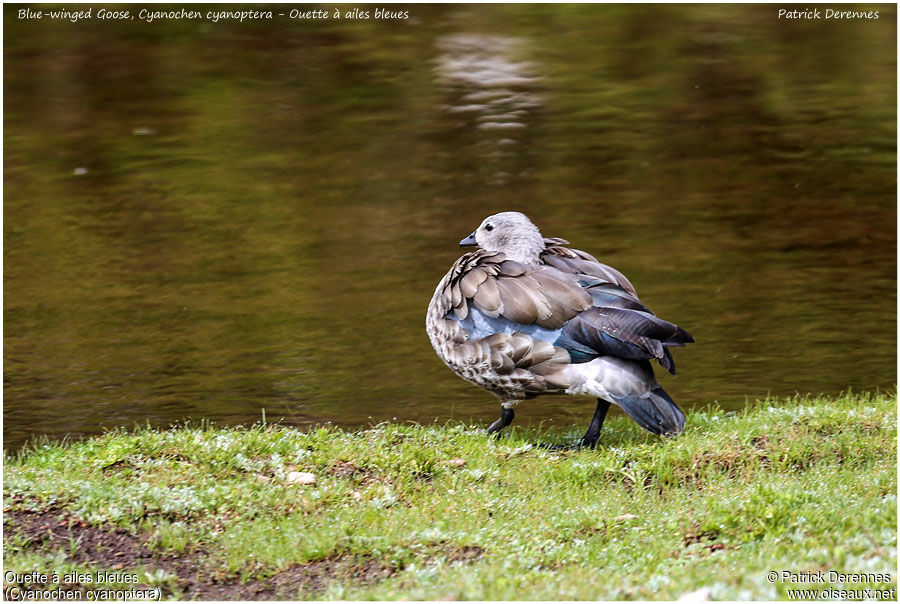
[(506, 417), (590, 438)]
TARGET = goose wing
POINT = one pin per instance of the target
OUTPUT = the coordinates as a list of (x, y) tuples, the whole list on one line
[(571, 301), (497, 288), (617, 324), (500, 311)]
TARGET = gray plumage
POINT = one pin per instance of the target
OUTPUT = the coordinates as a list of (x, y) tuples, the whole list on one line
[(524, 315)]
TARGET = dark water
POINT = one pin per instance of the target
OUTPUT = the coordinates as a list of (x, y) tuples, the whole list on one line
[(202, 220)]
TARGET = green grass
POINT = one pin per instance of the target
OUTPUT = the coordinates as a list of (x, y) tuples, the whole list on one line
[(800, 484)]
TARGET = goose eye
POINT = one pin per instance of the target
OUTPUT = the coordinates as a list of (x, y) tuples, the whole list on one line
[(489, 227)]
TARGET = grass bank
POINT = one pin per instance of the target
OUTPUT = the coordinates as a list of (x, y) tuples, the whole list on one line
[(802, 485)]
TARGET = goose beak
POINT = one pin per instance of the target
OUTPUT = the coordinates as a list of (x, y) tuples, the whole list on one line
[(470, 240)]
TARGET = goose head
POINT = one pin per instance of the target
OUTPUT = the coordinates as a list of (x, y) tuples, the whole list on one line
[(510, 233)]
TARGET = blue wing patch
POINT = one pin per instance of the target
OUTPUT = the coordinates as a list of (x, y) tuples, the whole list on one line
[(479, 325)]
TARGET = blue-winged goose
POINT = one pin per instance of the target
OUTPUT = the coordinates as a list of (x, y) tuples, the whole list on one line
[(523, 315)]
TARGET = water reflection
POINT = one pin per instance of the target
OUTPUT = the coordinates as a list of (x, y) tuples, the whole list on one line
[(493, 94)]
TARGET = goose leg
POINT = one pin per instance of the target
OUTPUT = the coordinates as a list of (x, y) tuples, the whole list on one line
[(506, 417), (593, 432), (589, 440)]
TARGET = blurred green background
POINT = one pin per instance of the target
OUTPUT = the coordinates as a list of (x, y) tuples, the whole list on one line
[(204, 219)]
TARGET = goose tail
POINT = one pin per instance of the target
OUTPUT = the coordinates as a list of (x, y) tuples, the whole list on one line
[(656, 412)]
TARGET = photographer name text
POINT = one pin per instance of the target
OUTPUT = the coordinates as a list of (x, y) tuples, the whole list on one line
[(828, 14)]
